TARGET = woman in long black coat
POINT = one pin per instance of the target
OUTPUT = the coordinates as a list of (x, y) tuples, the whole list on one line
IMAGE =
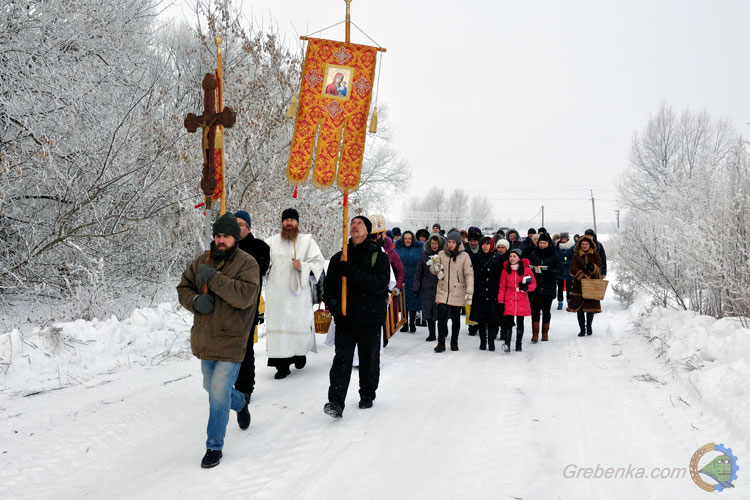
[(425, 283), (484, 307), (546, 260)]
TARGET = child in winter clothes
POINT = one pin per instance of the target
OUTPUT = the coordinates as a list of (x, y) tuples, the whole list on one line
[(516, 280)]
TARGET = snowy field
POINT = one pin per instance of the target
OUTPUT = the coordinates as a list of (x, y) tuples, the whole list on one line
[(115, 409)]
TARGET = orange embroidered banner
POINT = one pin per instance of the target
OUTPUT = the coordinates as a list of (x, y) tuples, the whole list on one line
[(334, 101), (218, 165)]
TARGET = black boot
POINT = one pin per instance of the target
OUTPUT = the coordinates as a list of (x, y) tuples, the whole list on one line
[(404, 328), (243, 416), (440, 347), (211, 458), (589, 319), (491, 335), (581, 324), (333, 410), (473, 329), (482, 339), (412, 321), (519, 337), (454, 343), (431, 330), (506, 338)]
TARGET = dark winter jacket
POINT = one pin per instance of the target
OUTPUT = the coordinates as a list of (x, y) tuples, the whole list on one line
[(425, 283), (260, 251), (487, 267), (222, 334), (410, 259), (366, 286), (599, 250), (546, 280), (565, 251)]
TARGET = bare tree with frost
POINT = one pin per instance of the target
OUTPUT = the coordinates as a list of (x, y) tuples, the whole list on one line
[(685, 234)]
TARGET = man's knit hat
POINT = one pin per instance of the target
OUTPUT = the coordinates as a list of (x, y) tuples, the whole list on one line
[(366, 221), (227, 224), (241, 214)]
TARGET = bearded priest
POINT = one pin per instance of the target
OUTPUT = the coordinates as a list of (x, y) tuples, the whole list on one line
[(296, 264)]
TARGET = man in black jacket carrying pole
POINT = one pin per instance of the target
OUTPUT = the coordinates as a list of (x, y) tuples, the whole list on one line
[(368, 271)]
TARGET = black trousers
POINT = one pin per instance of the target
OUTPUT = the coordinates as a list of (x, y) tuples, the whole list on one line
[(540, 305), (454, 313), (367, 342), (567, 284), (246, 377)]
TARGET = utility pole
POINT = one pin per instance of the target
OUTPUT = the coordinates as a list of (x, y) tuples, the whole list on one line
[(593, 209), (542, 215), (618, 218)]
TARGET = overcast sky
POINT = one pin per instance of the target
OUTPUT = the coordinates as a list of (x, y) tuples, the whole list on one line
[(535, 102)]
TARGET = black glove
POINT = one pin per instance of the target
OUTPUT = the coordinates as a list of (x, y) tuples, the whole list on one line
[(346, 268), (589, 268), (203, 303), (205, 273), (500, 309), (523, 287)]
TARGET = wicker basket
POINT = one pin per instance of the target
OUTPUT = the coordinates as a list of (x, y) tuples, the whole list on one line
[(322, 320), (593, 289)]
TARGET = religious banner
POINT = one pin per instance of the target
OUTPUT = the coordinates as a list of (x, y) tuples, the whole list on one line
[(331, 124)]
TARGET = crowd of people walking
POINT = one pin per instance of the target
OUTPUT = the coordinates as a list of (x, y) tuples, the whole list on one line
[(495, 280), (499, 279)]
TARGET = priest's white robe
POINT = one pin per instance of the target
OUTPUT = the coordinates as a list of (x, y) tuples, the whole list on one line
[(290, 327)]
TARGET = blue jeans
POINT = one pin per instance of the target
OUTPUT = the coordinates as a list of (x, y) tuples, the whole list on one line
[(218, 379)]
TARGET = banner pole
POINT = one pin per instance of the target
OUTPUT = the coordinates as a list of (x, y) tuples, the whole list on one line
[(346, 195)]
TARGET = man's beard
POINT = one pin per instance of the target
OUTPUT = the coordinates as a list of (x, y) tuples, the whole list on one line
[(289, 234), (221, 254)]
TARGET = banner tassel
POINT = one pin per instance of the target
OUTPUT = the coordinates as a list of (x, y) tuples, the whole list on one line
[(294, 195), (291, 112), (374, 121)]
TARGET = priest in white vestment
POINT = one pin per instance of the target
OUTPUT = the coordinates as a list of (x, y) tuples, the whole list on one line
[(296, 263)]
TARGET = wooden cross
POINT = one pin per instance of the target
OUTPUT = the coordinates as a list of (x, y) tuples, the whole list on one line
[(208, 121)]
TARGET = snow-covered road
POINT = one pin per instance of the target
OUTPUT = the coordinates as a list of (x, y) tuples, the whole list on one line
[(458, 425)]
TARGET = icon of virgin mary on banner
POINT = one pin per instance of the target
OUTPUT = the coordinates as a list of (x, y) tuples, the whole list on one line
[(331, 122)]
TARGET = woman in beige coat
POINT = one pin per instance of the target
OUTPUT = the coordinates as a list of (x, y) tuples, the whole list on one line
[(454, 288)]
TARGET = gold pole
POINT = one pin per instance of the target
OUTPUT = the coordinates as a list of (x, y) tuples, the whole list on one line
[(348, 20), (346, 196), (220, 105)]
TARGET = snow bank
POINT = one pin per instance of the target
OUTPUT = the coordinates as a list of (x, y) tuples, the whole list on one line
[(73, 352), (712, 356)]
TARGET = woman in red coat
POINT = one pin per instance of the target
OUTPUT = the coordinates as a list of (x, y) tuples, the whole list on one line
[(516, 280)]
